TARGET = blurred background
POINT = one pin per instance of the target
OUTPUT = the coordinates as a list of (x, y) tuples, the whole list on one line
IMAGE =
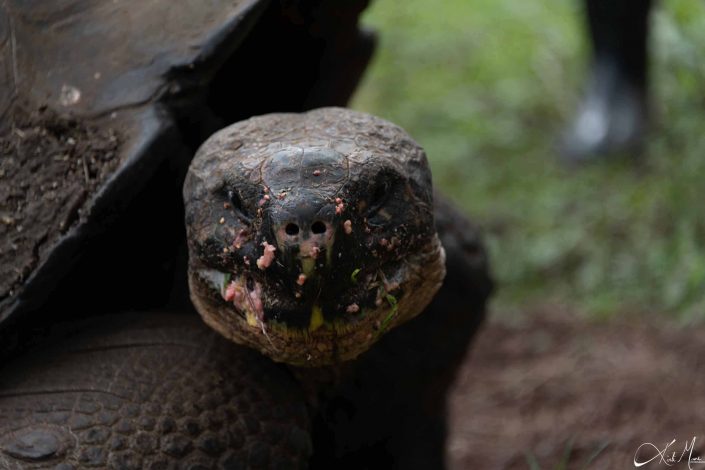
[(599, 266), (487, 86)]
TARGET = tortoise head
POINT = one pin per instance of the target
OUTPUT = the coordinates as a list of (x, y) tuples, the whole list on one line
[(311, 235)]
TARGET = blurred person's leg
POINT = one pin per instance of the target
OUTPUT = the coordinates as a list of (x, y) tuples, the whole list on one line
[(613, 114)]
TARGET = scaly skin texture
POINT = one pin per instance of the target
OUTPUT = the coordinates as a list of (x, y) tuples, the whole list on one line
[(149, 391), (311, 235)]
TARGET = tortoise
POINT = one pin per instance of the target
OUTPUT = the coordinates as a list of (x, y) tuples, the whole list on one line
[(314, 243)]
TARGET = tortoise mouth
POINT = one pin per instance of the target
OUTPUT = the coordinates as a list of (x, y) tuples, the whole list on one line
[(310, 332), (263, 303)]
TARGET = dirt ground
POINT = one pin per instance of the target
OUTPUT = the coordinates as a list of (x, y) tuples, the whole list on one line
[(554, 388), (49, 167)]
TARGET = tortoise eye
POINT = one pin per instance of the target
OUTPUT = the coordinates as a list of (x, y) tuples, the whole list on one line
[(379, 198), (238, 207), (383, 195)]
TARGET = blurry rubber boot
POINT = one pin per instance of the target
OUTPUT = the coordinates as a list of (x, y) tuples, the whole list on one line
[(612, 118)]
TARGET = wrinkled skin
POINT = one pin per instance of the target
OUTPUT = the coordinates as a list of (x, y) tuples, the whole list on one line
[(311, 235)]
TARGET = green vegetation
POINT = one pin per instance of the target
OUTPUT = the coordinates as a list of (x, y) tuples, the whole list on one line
[(486, 87)]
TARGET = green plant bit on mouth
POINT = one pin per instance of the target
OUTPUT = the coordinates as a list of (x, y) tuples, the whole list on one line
[(353, 276), (390, 316)]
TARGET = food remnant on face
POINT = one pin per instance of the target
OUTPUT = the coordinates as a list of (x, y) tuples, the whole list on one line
[(339, 206), (314, 252), (232, 292), (302, 278), (221, 221), (353, 308), (347, 226), (240, 238), (264, 261), (317, 173), (248, 301), (255, 308)]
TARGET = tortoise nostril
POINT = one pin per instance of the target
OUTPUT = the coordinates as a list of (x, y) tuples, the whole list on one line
[(291, 229), (318, 227)]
